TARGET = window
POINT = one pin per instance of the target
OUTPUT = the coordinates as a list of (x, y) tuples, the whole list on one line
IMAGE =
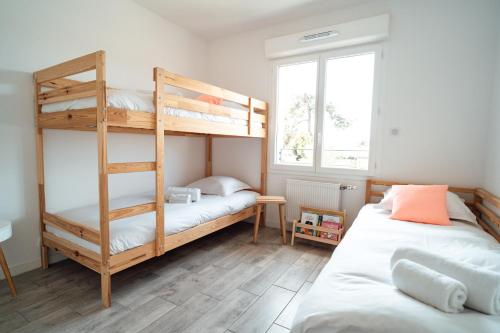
[(296, 114), (324, 112)]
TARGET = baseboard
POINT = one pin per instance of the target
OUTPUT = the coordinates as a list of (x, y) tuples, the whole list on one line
[(31, 265), (22, 268)]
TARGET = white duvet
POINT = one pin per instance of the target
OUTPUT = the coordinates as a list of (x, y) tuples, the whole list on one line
[(138, 230), (139, 101), (354, 292)]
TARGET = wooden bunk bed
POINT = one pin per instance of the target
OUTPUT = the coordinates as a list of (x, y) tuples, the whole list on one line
[(52, 85)]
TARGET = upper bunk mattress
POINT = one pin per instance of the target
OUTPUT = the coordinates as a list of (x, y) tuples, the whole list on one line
[(138, 230), (354, 292), (137, 101)]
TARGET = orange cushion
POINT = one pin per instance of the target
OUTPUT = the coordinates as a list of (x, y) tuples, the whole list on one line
[(210, 99), (420, 203)]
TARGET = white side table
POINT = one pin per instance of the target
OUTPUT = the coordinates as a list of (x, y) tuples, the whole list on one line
[(6, 233)]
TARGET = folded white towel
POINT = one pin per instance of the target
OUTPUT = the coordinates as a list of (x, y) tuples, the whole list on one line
[(483, 286), (429, 286), (194, 192), (179, 198)]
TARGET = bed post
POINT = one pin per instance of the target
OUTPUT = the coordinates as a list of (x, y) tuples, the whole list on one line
[(160, 151), (41, 176), (263, 162), (208, 155), (102, 155), (368, 191)]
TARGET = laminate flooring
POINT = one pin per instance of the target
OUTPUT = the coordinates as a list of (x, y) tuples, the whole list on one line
[(220, 283)]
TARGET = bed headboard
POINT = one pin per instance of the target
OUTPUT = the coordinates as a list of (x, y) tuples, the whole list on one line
[(483, 203)]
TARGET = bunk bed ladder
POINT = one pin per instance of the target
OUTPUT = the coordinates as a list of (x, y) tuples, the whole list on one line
[(130, 167), (105, 169)]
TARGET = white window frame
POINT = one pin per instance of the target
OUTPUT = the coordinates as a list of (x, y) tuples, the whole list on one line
[(321, 58)]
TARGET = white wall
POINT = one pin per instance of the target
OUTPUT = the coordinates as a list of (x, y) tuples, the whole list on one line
[(492, 167), (37, 34), (438, 73)]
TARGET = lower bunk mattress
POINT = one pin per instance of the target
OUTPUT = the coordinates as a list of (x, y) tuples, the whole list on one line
[(355, 293), (138, 230)]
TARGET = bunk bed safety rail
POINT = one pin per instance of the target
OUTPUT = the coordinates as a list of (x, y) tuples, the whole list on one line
[(252, 110), (53, 77), (57, 87)]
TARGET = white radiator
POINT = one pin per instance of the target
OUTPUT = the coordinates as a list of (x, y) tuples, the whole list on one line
[(311, 194)]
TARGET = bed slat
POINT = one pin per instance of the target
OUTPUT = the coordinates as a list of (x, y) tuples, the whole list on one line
[(77, 229), (81, 90), (82, 119), (488, 229), (60, 83), (71, 67), (202, 87), (114, 168), (180, 102), (209, 127), (126, 259), (71, 250), (131, 119), (176, 240), (132, 211), (485, 195), (488, 213)]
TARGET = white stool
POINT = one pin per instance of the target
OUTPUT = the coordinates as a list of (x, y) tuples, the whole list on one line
[(6, 233)]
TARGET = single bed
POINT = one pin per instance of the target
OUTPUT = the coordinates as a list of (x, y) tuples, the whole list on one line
[(354, 292), (134, 231)]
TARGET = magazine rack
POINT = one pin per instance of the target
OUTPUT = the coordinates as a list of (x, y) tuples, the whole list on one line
[(319, 229)]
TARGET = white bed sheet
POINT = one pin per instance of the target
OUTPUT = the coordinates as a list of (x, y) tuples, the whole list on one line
[(138, 101), (354, 292), (138, 230)]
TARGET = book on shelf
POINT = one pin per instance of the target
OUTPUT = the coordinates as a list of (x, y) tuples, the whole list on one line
[(332, 222), (308, 218)]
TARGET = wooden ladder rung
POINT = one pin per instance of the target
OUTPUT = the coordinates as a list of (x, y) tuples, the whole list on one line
[(131, 167), (132, 211)]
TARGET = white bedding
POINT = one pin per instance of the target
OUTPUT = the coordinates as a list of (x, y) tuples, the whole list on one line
[(138, 230), (354, 292), (138, 101)]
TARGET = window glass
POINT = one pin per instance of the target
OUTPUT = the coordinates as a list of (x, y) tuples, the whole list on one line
[(347, 112), (296, 113)]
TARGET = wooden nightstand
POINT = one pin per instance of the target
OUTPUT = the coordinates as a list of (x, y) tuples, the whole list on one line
[(267, 199), (320, 233)]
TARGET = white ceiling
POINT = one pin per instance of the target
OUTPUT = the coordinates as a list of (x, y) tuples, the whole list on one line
[(216, 18)]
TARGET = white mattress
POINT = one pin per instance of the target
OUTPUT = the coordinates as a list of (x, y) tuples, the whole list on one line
[(354, 292), (138, 230), (138, 101)]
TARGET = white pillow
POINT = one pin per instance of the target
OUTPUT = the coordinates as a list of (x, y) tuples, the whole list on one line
[(457, 210), (219, 185), (386, 202)]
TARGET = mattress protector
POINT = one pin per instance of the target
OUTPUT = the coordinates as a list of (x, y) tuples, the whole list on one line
[(134, 231), (354, 292)]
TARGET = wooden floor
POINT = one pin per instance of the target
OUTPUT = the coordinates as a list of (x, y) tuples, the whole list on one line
[(221, 283)]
